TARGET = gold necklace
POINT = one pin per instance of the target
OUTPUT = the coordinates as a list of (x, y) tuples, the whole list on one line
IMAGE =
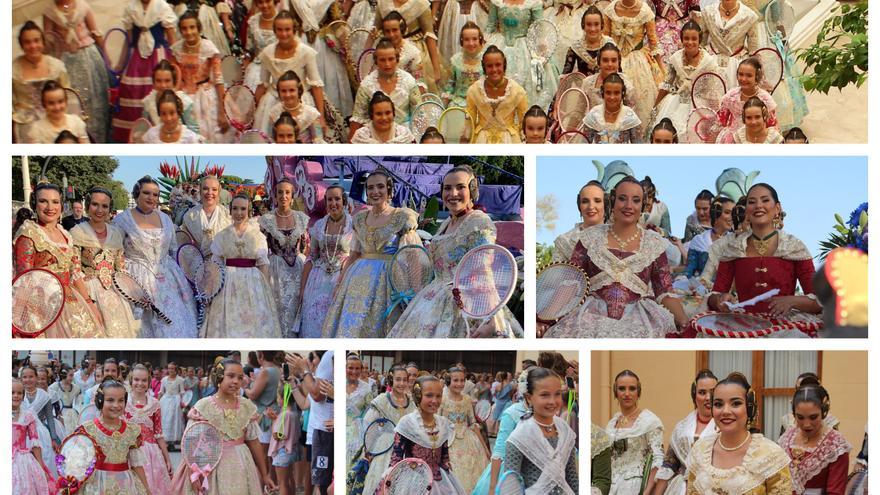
[(625, 420), (624, 243), (762, 244), (729, 12), (731, 449)]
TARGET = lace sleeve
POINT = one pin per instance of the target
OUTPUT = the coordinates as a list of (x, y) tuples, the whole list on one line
[(571, 472), (399, 449), (24, 254), (655, 443), (513, 459), (671, 465)]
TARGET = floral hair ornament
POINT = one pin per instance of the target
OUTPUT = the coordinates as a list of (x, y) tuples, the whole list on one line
[(847, 272)]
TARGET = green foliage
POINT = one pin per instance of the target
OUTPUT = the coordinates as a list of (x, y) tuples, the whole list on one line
[(840, 55), (544, 255), (83, 173)]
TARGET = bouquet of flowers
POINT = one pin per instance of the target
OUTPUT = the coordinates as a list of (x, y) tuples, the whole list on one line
[(850, 233)]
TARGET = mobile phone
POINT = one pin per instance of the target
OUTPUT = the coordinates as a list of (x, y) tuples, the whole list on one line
[(285, 368), (569, 381)]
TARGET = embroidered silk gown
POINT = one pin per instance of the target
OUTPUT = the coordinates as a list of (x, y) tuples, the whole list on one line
[(677, 105), (462, 74), (356, 404), (820, 469), (684, 435), (28, 477), (286, 260), (149, 418), (382, 406), (327, 252), (467, 453), (412, 439), (118, 452), (764, 470), (635, 443), (27, 105), (200, 75), (496, 120)]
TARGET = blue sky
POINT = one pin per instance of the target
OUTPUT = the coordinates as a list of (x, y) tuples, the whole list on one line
[(132, 168), (811, 189)]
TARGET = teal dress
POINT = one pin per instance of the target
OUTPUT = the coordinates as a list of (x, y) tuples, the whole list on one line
[(509, 419)]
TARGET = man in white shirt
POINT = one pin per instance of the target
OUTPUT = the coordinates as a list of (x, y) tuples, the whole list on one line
[(320, 428)]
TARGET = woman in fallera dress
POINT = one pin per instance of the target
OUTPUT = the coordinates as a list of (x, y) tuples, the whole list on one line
[(765, 258), (286, 232), (819, 454), (363, 295), (382, 127), (100, 249), (426, 435), (496, 103), (243, 468), (150, 246), (67, 392), (591, 205), (330, 243), (672, 477), (143, 410), (120, 461), (420, 30), (358, 398), (38, 402), (732, 30), (45, 244), (735, 460), (392, 405), (612, 121), (608, 58), (788, 420), (259, 35), (245, 307), (465, 67), (748, 75), (208, 218), (468, 454), (623, 258), (433, 312), (56, 120), (635, 434), (756, 129), (170, 390)]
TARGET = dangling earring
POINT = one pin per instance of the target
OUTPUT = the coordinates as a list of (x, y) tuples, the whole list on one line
[(776, 222)]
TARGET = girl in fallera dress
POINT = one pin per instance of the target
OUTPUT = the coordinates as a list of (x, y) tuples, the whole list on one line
[(56, 119), (149, 249), (100, 250), (819, 454), (285, 130), (287, 237), (120, 461), (542, 438), (664, 132), (165, 77), (73, 25), (420, 31), (29, 474), (608, 58), (583, 53), (426, 435), (358, 398), (631, 25), (382, 127), (363, 295), (331, 239), (756, 118), (465, 67), (672, 477), (735, 460), (151, 25), (388, 78), (732, 30), (245, 307), (143, 410), (202, 79), (748, 75), (535, 123), (674, 99), (456, 15), (170, 128), (307, 117), (393, 27), (495, 102), (259, 35), (30, 71), (467, 453), (764, 258), (45, 244), (38, 402), (169, 401), (288, 53), (433, 312), (68, 393), (635, 433), (612, 122), (243, 468), (392, 405)]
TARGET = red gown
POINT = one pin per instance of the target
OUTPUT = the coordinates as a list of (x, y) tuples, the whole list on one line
[(824, 467)]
